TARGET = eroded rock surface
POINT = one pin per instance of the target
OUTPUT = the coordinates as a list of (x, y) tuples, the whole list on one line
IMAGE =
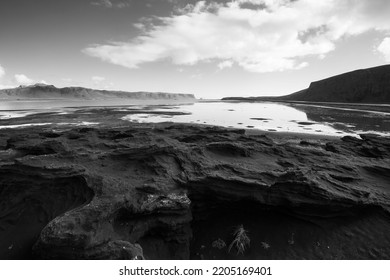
[(170, 191)]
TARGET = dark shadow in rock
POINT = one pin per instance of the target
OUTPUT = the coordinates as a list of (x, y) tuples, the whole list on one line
[(285, 233), (228, 149), (28, 203), (163, 232)]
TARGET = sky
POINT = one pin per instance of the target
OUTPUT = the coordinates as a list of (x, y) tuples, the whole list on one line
[(212, 48)]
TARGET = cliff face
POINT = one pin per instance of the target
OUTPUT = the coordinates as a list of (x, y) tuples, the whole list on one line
[(370, 85), (40, 91)]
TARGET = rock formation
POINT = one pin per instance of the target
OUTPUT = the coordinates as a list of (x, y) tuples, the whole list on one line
[(172, 191), (370, 85)]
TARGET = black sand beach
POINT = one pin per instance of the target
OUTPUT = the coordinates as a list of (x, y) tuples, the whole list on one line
[(90, 186)]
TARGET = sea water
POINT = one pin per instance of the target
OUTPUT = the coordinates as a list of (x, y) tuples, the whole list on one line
[(266, 116)]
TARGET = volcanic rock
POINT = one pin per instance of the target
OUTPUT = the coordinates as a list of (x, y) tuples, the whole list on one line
[(169, 191)]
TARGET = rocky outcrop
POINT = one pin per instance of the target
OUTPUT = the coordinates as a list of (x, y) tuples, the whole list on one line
[(370, 85), (41, 91), (177, 191)]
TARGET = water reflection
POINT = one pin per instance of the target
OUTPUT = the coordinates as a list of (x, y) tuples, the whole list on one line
[(21, 108), (348, 120), (53, 104), (300, 118), (270, 117)]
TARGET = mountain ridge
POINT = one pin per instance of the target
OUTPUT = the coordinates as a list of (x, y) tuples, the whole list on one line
[(43, 91)]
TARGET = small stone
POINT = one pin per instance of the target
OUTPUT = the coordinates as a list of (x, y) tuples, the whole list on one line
[(219, 244), (265, 245)]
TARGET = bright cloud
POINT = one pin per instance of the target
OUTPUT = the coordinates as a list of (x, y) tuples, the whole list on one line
[(384, 48), (23, 79), (258, 35), (2, 72), (18, 79)]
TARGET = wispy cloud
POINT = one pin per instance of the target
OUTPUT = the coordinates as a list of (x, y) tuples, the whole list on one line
[(101, 83), (257, 35), (225, 64), (112, 3), (98, 79)]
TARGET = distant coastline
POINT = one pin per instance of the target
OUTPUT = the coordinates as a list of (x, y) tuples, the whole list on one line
[(50, 92)]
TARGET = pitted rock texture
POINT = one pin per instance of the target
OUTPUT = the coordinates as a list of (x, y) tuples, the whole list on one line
[(168, 191)]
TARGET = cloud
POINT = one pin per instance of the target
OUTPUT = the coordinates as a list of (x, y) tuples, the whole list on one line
[(257, 35), (104, 3), (112, 3), (23, 79), (2, 74), (384, 48), (2, 71), (18, 79), (225, 64), (5, 86), (98, 79), (101, 83)]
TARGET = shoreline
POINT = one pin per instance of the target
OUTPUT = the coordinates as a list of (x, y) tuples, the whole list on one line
[(124, 123), (323, 122), (381, 108), (248, 131)]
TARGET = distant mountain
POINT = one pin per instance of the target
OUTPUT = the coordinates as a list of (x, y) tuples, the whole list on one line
[(42, 91), (371, 85)]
